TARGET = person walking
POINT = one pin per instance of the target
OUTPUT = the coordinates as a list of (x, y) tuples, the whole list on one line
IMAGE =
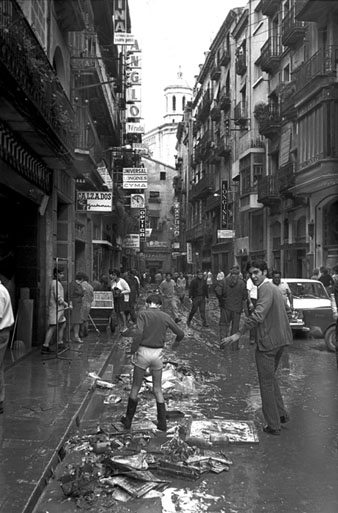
[(76, 298), (87, 301), (273, 336), (210, 281), (252, 300), (198, 293), (181, 287), (56, 311), (284, 288), (121, 292), (134, 286), (232, 295), (326, 280), (149, 337), (6, 322), (167, 290)]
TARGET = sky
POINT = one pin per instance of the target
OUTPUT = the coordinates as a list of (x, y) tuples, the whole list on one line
[(173, 33)]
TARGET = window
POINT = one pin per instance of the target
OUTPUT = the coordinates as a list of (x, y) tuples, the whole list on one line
[(183, 102), (174, 103), (39, 14), (286, 74), (162, 175)]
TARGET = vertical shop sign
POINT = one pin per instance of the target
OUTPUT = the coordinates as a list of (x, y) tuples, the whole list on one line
[(189, 253), (142, 224), (176, 219), (224, 203)]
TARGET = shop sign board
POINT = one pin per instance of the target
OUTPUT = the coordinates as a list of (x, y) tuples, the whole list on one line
[(94, 201), (134, 128), (225, 234), (131, 240)]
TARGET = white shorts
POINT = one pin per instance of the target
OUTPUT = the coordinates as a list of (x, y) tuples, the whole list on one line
[(148, 357)]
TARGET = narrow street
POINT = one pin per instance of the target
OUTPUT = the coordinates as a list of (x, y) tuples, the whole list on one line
[(295, 472)]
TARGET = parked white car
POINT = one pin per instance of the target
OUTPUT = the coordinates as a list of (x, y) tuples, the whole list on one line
[(312, 310)]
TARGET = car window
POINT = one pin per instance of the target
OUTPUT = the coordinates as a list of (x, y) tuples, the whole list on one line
[(305, 289)]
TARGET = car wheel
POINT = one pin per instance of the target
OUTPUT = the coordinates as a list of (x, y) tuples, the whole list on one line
[(330, 338)]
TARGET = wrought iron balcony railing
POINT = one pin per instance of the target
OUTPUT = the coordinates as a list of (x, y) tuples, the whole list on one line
[(319, 70), (293, 30), (23, 59), (270, 54)]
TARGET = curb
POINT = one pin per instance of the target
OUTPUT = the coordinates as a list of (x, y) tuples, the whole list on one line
[(57, 457)]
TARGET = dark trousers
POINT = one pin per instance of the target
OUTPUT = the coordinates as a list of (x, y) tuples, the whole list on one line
[(198, 303), (227, 318), (272, 402)]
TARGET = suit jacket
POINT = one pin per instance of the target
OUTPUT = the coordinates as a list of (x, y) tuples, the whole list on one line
[(195, 285), (271, 319)]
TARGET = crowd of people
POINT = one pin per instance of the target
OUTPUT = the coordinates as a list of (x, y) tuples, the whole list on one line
[(254, 301)]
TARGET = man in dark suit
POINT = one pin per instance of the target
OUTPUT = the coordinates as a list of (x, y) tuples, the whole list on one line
[(198, 293)]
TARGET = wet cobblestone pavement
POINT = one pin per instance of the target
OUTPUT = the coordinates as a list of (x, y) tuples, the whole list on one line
[(294, 473)]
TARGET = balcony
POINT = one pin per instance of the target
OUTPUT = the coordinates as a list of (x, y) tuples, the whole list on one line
[(241, 114), (213, 202), (202, 188), (270, 7), (195, 232), (204, 107), (224, 147), (224, 100), (215, 113), (248, 200), (270, 54), (293, 30), (318, 71), (240, 64), (178, 184), (34, 104), (268, 190), (287, 101), (215, 72), (70, 15), (270, 125), (287, 179), (312, 10), (224, 57)]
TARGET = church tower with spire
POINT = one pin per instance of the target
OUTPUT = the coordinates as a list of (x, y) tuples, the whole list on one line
[(161, 140), (176, 97)]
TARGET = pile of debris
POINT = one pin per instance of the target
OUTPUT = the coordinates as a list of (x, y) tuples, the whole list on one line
[(125, 465)]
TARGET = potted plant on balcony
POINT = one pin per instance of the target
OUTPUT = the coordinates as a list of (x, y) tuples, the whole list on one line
[(261, 112)]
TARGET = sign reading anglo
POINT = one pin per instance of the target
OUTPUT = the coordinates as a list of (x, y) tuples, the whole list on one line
[(176, 219), (135, 178), (225, 234), (142, 213), (94, 201)]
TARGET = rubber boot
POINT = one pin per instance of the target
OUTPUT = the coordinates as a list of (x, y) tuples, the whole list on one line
[(161, 417), (127, 419)]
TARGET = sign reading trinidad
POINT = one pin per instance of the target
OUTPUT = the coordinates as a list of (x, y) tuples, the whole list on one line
[(135, 178)]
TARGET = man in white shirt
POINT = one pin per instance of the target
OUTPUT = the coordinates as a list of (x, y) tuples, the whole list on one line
[(6, 321), (283, 287)]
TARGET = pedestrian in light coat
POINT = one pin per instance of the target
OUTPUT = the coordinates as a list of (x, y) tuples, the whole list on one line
[(273, 335)]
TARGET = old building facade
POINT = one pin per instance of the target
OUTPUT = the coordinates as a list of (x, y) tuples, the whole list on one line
[(259, 145), (60, 91)]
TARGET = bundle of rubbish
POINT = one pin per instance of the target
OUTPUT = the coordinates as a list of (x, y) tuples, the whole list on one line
[(129, 465)]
